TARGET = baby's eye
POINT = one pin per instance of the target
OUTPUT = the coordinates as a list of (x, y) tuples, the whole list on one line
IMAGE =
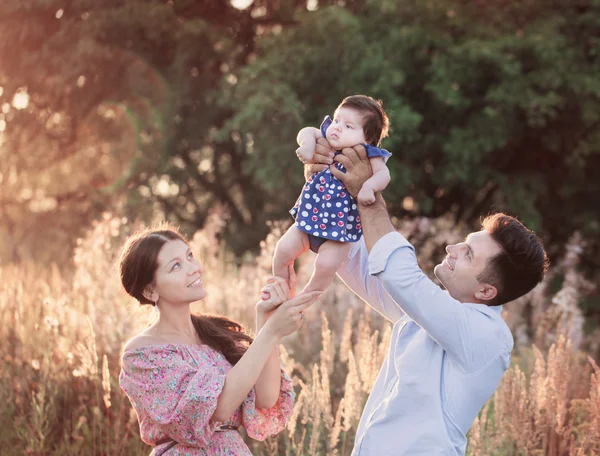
[(190, 256), (336, 121), (349, 126)]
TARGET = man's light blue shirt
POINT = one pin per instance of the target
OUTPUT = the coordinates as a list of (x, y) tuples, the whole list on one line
[(445, 360)]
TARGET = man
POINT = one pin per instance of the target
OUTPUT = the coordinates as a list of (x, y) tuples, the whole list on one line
[(449, 348)]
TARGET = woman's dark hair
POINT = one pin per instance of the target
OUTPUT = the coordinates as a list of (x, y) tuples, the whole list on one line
[(139, 262), (377, 124), (520, 265)]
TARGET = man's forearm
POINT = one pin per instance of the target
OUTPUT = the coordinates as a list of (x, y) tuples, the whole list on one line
[(375, 221)]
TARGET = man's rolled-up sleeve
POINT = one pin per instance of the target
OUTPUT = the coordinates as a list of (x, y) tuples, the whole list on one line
[(393, 262), (354, 273)]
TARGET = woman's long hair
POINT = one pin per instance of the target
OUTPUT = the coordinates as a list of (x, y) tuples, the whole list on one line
[(139, 262)]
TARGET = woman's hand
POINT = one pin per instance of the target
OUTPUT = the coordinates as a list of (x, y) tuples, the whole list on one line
[(277, 290), (273, 294), (289, 316)]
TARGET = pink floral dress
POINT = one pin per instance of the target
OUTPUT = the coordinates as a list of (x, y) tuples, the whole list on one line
[(174, 390)]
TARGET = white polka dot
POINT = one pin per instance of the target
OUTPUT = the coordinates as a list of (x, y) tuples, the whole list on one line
[(345, 201), (308, 228), (354, 206), (345, 209), (338, 204), (317, 199), (350, 218), (334, 234), (316, 227), (304, 214), (333, 215), (326, 214), (328, 204), (306, 195), (339, 187), (308, 206), (302, 223), (349, 226), (324, 233)]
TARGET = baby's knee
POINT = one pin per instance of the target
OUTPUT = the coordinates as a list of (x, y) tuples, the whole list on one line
[(326, 264)]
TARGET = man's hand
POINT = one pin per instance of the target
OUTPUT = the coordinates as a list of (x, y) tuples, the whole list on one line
[(358, 168), (322, 157)]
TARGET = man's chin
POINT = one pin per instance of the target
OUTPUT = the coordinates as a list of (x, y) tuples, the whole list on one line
[(437, 272)]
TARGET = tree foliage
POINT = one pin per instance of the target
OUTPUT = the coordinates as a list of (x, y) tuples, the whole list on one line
[(174, 106)]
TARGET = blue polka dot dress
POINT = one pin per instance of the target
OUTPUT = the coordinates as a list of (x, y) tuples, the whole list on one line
[(325, 209)]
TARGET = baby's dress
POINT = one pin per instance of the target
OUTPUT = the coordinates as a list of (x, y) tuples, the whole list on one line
[(325, 209), (174, 390)]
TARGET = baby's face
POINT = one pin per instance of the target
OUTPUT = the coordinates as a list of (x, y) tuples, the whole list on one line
[(346, 130)]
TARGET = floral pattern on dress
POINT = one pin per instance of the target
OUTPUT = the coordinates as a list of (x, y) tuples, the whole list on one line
[(174, 390)]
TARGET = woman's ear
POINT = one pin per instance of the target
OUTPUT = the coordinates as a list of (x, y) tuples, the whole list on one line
[(150, 294)]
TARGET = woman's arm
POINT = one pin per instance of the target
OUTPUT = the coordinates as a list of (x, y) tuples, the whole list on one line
[(269, 381), (243, 376)]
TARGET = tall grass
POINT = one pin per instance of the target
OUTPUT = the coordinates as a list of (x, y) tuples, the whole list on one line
[(62, 331)]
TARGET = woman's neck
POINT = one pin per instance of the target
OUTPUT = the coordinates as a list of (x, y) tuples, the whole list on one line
[(178, 322)]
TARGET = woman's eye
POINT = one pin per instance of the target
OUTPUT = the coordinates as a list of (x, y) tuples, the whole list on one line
[(175, 266)]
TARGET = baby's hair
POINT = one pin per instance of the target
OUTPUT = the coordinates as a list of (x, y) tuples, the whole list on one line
[(377, 124)]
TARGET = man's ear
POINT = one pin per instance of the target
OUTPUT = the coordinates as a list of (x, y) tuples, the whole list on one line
[(486, 292), (149, 294)]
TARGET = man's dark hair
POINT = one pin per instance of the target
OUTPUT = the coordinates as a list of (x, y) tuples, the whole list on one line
[(377, 124), (521, 264)]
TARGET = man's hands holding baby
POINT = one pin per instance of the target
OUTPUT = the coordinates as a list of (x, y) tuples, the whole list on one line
[(356, 162)]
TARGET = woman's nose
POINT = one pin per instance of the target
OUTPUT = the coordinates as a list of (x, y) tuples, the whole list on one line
[(450, 249)]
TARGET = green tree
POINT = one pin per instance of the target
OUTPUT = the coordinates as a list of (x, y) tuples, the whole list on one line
[(493, 106)]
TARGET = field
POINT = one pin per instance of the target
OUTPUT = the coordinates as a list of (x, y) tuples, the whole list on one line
[(62, 332)]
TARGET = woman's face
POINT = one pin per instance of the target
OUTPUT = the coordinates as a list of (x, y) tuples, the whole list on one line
[(179, 275)]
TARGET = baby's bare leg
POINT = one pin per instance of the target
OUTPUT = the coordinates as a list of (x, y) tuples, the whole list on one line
[(331, 255), (291, 245)]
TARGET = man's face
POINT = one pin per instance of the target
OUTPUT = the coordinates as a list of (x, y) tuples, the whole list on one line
[(463, 264), (346, 130)]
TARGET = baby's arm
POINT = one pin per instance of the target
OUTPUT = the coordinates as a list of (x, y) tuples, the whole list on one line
[(307, 140), (376, 183)]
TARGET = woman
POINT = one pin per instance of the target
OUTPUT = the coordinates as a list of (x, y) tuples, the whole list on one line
[(194, 380)]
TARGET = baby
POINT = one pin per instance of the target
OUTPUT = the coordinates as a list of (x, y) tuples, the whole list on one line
[(327, 218)]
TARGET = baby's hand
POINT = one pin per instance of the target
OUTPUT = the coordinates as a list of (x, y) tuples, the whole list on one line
[(305, 153), (366, 196)]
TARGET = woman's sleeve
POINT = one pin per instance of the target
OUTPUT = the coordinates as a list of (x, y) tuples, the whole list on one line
[(263, 423), (168, 392)]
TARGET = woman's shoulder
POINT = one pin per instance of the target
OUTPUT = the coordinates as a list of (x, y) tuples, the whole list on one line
[(141, 341)]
